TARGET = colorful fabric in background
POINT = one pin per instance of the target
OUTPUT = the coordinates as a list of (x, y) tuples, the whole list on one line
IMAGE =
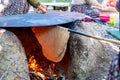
[(13, 7), (111, 3), (114, 71), (86, 9), (118, 5), (118, 8), (112, 19)]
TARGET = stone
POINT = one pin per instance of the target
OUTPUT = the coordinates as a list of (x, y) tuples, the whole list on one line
[(13, 62), (86, 53)]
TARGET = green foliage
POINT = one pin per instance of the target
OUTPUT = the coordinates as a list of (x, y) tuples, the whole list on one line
[(62, 0), (45, 0)]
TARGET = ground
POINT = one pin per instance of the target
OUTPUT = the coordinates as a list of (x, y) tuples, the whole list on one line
[(110, 50)]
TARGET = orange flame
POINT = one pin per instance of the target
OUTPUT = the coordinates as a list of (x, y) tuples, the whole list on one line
[(40, 74), (33, 66)]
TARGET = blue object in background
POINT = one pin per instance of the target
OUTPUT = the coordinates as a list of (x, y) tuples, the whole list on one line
[(118, 5), (118, 8), (114, 33)]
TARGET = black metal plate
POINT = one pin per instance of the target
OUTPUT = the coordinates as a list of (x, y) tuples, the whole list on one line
[(38, 19)]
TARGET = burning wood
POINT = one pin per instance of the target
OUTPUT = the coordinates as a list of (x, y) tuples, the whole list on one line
[(38, 73), (35, 76)]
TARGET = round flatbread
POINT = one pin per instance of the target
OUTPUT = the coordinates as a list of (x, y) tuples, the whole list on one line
[(53, 41)]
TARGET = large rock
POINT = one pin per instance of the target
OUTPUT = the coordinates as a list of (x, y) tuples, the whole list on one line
[(13, 63), (86, 53)]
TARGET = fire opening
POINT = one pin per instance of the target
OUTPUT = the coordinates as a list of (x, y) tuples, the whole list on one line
[(42, 69), (39, 67)]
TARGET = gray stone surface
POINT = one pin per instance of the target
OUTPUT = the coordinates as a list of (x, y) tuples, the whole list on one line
[(86, 53), (13, 63)]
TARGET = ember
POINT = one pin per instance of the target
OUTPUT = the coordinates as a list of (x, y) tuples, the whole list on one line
[(38, 73)]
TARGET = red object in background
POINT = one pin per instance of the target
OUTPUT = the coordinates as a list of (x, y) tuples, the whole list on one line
[(86, 19), (105, 18), (111, 3)]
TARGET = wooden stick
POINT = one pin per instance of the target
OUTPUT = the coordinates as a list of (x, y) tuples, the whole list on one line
[(91, 36)]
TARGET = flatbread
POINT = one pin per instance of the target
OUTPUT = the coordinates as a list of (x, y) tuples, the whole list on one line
[(53, 41)]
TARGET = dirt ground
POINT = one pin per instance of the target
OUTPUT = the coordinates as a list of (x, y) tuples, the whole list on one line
[(110, 50)]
